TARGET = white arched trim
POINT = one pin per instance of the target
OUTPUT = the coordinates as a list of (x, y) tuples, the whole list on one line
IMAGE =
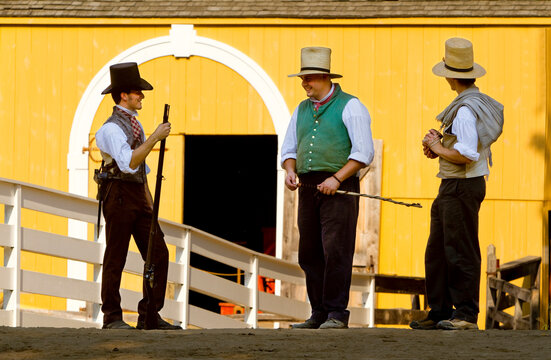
[(182, 41)]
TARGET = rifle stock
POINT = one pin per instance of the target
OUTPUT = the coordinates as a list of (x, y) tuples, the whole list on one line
[(149, 268)]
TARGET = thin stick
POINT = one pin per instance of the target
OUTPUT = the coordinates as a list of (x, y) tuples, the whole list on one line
[(351, 193)]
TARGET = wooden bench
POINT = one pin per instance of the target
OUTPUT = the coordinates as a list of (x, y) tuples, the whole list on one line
[(392, 284), (502, 294)]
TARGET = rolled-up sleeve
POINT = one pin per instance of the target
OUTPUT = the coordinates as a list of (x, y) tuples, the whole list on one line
[(357, 120), (111, 140), (464, 128), (289, 147)]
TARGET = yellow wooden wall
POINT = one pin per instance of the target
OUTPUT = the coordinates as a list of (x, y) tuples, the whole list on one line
[(46, 68)]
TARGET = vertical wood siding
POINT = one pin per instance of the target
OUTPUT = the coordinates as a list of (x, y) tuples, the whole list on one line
[(45, 70)]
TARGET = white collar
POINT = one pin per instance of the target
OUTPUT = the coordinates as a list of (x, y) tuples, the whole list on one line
[(130, 112), (326, 96)]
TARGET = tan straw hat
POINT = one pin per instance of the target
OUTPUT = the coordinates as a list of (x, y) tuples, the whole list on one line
[(315, 60), (459, 61)]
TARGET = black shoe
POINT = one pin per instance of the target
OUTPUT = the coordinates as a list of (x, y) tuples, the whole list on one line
[(425, 324), (308, 324), (119, 325), (161, 325)]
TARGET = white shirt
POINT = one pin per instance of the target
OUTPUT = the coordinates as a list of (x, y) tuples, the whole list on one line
[(357, 121), (464, 128), (111, 140)]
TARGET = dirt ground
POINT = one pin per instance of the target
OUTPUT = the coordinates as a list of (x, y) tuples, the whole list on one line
[(387, 343)]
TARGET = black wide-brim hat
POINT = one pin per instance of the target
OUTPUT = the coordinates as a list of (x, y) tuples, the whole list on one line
[(126, 76)]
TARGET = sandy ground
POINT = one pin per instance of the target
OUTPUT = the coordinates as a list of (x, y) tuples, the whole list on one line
[(64, 343)]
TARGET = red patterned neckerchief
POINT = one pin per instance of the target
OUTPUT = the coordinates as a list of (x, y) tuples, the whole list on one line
[(136, 129), (320, 103)]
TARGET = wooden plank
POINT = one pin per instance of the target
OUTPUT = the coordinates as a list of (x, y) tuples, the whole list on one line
[(283, 306), (171, 310), (518, 292), (366, 254), (525, 266), (38, 283), (33, 319), (134, 263), (59, 203), (506, 301), (209, 320), (7, 191), (218, 287), (6, 317), (360, 282), (281, 270), (509, 323), (6, 278), (491, 268), (6, 235), (130, 299), (220, 250), (399, 284), (61, 246), (359, 316), (290, 242), (398, 316)]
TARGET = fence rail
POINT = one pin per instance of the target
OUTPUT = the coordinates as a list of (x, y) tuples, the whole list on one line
[(14, 239)]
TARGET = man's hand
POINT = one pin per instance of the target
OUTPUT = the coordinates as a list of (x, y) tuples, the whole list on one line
[(329, 186), (162, 131), (431, 139), (140, 153), (428, 152), (291, 180)]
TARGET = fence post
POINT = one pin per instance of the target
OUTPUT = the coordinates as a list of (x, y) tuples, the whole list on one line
[(369, 301), (12, 257), (181, 291), (491, 294), (251, 282)]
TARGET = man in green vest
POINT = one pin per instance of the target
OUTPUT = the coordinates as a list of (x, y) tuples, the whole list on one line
[(327, 142), (470, 124)]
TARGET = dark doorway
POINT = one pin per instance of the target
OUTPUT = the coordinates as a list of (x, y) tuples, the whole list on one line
[(230, 191)]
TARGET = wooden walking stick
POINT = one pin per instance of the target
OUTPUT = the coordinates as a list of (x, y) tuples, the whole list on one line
[(151, 321)]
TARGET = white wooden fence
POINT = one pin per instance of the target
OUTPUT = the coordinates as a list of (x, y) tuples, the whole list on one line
[(14, 238)]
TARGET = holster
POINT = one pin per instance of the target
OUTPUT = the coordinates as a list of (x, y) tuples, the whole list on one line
[(103, 177)]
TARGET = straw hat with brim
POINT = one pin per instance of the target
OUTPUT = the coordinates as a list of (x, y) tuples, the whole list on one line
[(126, 76), (315, 60), (459, 61)]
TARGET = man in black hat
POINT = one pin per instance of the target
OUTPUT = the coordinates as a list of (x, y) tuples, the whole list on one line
[(127, 201)]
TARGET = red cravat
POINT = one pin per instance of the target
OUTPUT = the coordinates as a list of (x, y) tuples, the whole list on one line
[(135, 128), (320, 103)]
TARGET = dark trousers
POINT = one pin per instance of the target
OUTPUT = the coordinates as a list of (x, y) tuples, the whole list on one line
[(126, 213), (452, 257), (327, 227)]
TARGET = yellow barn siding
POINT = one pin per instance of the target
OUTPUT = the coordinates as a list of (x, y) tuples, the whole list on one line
[(47, 69)]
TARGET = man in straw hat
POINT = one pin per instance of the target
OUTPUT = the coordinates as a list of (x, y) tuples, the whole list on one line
[(470, 124), (127, 202), (327, 142)]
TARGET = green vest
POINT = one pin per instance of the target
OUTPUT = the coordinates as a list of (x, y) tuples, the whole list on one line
[(323, 143)]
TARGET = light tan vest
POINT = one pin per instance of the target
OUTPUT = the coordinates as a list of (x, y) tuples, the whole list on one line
[(449, 170)]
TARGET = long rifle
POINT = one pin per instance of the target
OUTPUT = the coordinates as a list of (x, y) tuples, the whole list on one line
[(149, 268)]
